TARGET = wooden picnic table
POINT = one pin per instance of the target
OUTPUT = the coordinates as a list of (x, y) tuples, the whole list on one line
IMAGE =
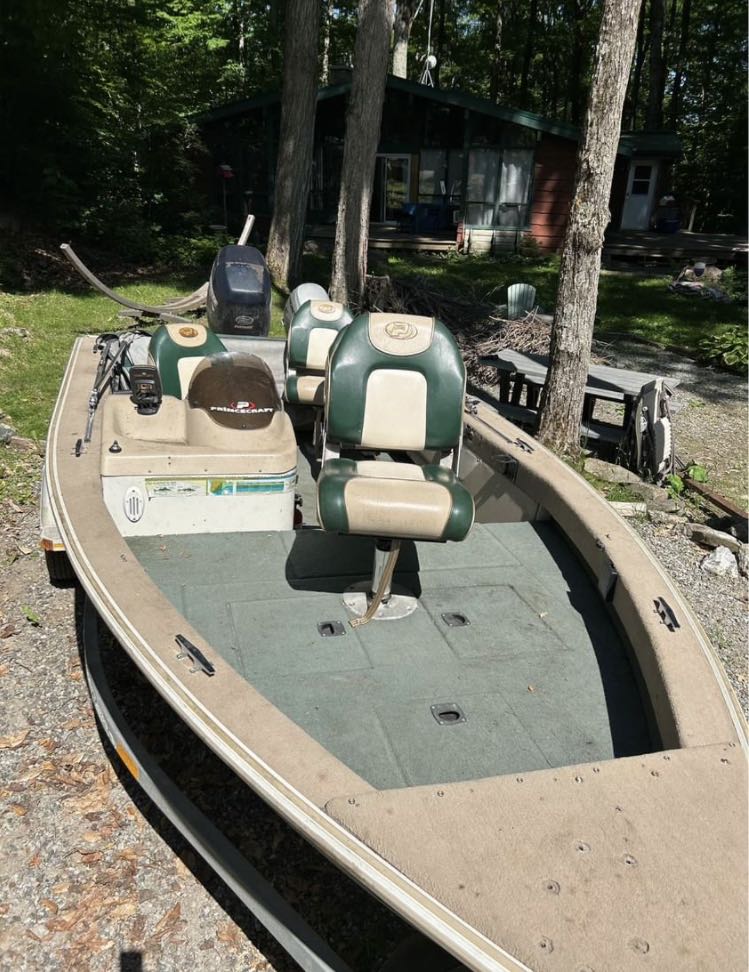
[(518, 371)]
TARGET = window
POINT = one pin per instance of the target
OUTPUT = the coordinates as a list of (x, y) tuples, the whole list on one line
[(498, 187), (432, 166), (512, 205), (481, 193), (641, 180)]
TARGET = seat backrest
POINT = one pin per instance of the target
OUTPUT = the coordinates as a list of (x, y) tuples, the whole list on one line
[(521, 298), (395, 381), (312, 330), (177, 350)]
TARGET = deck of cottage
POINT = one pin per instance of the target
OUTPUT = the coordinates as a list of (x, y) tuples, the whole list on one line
[(630, 245)]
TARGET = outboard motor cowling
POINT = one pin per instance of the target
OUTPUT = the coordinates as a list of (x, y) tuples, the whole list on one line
[(239, 293), (300, 295)]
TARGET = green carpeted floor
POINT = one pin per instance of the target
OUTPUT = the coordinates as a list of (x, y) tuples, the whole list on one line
[(539, 672)]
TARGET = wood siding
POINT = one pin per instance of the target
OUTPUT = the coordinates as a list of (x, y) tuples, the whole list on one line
[(553, 184)]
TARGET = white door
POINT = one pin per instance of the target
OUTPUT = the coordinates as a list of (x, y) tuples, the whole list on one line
[(638, 203)]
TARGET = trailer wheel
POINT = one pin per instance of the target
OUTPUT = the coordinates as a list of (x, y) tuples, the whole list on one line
[(59, 568), (418, 954)]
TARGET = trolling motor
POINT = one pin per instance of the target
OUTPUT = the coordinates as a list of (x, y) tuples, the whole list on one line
[(145, 389)]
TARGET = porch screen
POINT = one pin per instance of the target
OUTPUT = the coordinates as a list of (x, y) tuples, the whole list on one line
[(481, 194), (432, 166), (512, 204)]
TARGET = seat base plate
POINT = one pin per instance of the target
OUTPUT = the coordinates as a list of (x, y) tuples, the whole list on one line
[(357, 599)]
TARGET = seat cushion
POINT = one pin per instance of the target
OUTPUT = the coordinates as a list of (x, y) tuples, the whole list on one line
[(393, 499), (305, 389)]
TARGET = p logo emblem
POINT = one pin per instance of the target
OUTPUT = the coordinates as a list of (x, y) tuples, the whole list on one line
[(401, 330)]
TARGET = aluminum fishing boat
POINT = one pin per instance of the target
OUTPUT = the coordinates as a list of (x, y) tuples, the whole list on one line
[(426, 642)]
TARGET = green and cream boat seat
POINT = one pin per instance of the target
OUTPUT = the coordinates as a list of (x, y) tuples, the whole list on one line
[(177, 350), (312, 331), (394, 383)]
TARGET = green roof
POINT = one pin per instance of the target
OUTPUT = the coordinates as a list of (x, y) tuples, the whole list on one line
[(631, 143), (661, 144)]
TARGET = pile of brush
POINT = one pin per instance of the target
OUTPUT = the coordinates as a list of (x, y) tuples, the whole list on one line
[(477, 324)]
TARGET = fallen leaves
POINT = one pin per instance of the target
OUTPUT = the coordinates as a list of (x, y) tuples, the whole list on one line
[(168, 924), (230, 934), (14, 741)]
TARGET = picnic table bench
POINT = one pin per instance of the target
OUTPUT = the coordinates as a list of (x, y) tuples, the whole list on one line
[(520, 372)]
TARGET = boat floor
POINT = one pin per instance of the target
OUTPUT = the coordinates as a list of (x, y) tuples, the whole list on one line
[(540, 672)]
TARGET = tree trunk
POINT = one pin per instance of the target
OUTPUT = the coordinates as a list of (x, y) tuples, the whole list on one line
[(295, 143), (630, 119), (528, 53), (440, 41), (654, 118), (363, 119), (325, 62), (680, 63), (405, 13), (496, 57), (576, 66), (572, 331)]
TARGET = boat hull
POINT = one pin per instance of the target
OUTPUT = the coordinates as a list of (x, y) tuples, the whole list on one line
[(700, 728)]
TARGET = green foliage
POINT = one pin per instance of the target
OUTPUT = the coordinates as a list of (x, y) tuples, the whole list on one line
[(31, 616), (190, 253), (728, 347), (674, 485), (696, 472), (734, 282), (100, 96)]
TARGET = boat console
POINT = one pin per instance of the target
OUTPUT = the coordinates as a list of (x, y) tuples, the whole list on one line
[(221, 458)]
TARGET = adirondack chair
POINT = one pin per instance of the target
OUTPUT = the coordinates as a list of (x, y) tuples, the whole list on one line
[(521, 299)]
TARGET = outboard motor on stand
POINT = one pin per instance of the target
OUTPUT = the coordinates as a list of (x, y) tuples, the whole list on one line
[(239, 293)]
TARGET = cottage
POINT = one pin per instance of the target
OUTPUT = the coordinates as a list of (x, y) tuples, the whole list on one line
[(450, 166)]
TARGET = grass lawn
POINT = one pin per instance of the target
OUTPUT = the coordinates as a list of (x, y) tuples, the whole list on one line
[(629, 303), (31, 368)]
